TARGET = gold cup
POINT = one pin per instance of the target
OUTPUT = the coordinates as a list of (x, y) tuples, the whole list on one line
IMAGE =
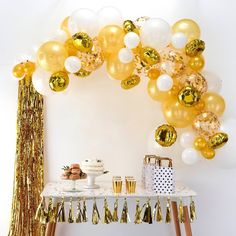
[(130, 185), (117, 185)]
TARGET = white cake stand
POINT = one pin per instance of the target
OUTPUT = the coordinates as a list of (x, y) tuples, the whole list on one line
[(91, 180)]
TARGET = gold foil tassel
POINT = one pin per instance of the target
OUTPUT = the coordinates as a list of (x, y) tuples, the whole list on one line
[(157, 214), (168, 211), (70, 216), (50, 211), (181, 212), (192, 210), (79, 213), (115, 217), (124, 215), (138, 218), (95, 214), (61, 212), (147, 217), (107, 218), (84, 212)]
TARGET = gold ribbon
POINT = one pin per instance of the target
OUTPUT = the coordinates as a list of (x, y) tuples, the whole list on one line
[(70, 216), (115, 217), (168, 211), (107, 218), (157, 214), (124, 215), (181, 212), (79, 213), (138, 211), (192, 210), (95, 214), (61, 212), (147, 217)]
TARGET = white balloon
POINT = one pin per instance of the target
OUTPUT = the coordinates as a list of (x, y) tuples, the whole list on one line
[(214, 83), (164, 82), (187, 139), (60, 35), (179, 40), (72, 64), (125, 55), (131, 40), (190, 156), (83, 20), (155, 33), (109, 16)]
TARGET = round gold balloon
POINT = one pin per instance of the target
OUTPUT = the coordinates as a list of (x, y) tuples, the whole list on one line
[(200, 143), (206, 124), (165, 135), (189, 96), (82, 42), (118, 70), (59, 81), (70, 48), (189, 27), (111, 38), (214, 103), (176, 114), (197, 63), (51, 56), (153, 73), (150, 55), (129, 26), (194, 47), (19, 70), (64, 26), (82, 73), (208, 153), (218, 140), (130, 82), (29, 67)]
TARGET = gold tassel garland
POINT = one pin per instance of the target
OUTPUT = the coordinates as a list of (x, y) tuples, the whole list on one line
[(157, 214), (192, 210), (181, 212), (107, 218), (70, 216), (138, 211), (115, 217), (61, 212), (84, 212), (124, 215), (95, 214), (79, 213), (168, 211), (147, 217)]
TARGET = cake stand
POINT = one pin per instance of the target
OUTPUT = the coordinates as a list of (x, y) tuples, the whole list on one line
[(91, 180)]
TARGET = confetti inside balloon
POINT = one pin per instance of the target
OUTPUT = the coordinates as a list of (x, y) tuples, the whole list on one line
[(59, 81), (165, 135), (189, 96)]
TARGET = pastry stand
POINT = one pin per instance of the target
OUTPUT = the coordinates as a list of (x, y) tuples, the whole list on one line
[(55, 191)]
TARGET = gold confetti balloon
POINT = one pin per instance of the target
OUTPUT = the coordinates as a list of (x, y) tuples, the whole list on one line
[(82, 42), (194, 47), (130, 82), (150, 55), (165, 135), (197, 63), (139, 22), (129, 26), (19, 70), (206, 124), (59, 81), (189, 96), (208, 153), (82, 73), (200, 143), (218, 140)]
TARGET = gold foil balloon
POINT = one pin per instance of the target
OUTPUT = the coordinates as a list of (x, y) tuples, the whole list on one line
[(82, 42), (19, 70), (189, 96), (70, 48), (200, 143), (189, 27), (150, 56), (206, 124), (165, 135), (196, 63), (118, 70), (155, 93), (82, 73), (64, 26), (218, 140), (111, 38), (176, 114), (194, 47), (51, 56), (59, 81), (129, 26), (130, 82), (214, 102), (208, 153)]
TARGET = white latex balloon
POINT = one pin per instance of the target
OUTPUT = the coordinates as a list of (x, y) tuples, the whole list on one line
[(72, 64), (109, 16), (155, 33), (179, 40), (60, 35), (187, 139), (125, 55), (131, 40), (190, 156), (83, 20), (164, 82), (214, 83)]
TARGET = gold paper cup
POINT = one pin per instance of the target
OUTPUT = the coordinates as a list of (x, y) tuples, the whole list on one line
[(117, 185), (130, 185)]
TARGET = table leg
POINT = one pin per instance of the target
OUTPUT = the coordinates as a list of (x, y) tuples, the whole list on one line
[(187, 224), (175, 218), (51, 228)]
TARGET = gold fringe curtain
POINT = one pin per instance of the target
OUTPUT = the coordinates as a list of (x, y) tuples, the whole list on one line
[(29, 171)]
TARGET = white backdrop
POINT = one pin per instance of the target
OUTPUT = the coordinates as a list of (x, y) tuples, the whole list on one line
[(99, 119)]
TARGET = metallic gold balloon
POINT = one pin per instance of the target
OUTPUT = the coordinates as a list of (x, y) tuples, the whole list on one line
[(111, 38), (194, 47), (29, 67), (189, 27), (82, 42), (176, 114), (130, 82), (150, 56), (218, 140), (196, 63), (214, 103), (153, 73), (206, 124), (208, 153), (189, 96), (165, 135), (200, 143), (19, 70), (70, 48), (82, 73), (155, 93), (118, 70), (51, 56), (129, 26), (64, 26), (59, 81)]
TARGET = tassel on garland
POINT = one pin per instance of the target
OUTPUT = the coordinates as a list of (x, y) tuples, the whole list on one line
[(192, 210), (157, 214), (124, 215), (70, 216), (84, 212), (168, 211), (51, 212), (115, 217), (107, 218), (181, 212), (61, 212), (137, 218), (147, 217), (79, 213), (95, 214)]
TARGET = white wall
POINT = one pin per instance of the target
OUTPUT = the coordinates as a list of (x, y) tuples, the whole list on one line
[(98, 118)]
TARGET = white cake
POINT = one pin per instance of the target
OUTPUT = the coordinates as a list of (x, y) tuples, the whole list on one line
[(92, 166)]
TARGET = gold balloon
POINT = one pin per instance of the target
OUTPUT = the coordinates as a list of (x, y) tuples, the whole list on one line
[(176, 114), (206, 124), (200, 143), (197, 63), (19, 70), (189, 27), (130, 82), (188, 96), (29, 67), (218, 140), (51, 56), (153, 73), (64, 26), (70, 48), (214, 103), (165, 135), (150, 56), (129, 26), (208, 153), (82, 73), (118, 70), (82, 42), (194, 47), (59, 81), (111, 38)]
